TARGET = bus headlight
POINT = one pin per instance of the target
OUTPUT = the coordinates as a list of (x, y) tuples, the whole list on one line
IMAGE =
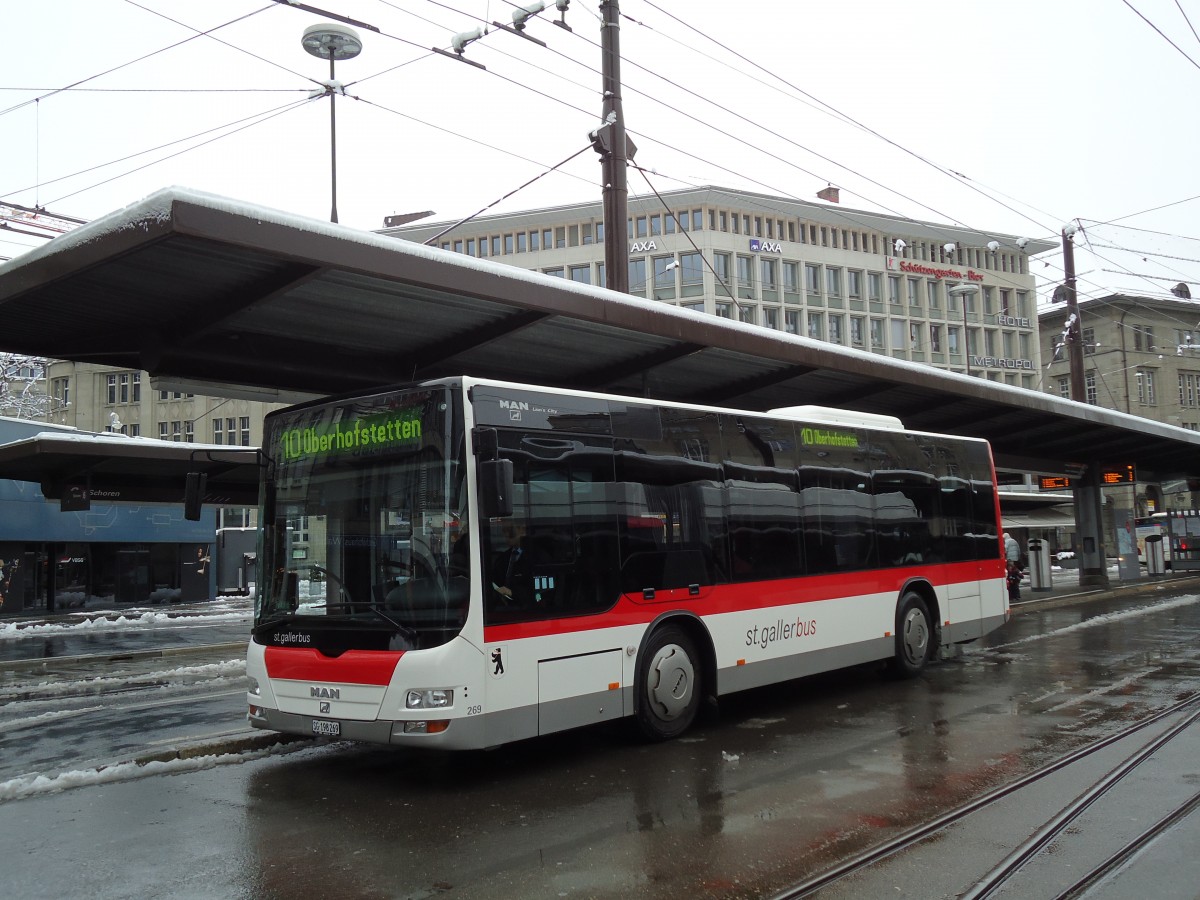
[(430, 698), (254, 688)]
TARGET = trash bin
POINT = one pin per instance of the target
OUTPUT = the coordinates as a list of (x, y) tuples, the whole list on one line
[(1039, 565), (1155, 564)]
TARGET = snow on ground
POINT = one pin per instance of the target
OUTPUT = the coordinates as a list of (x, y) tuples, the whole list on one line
[(128, 620), (29, 785), (211, 673), (1107, 618)]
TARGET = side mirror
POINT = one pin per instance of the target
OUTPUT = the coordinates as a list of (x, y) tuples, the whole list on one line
[(193, 495), (496, 488)]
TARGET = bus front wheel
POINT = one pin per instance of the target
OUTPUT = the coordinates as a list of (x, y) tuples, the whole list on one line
[(669, 682), (914, 636)]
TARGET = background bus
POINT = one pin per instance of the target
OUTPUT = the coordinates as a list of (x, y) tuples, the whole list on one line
[(464, 563)]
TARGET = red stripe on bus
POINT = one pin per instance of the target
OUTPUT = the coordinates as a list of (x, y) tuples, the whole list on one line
[(632, 609), (352, 667)]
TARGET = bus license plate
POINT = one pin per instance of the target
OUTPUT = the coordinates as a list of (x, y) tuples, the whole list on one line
[(332, 729)]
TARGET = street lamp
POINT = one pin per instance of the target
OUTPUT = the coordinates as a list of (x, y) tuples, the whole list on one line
[(964, 291), (332, 42)]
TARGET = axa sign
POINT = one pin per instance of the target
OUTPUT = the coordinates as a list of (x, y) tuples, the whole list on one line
[(642, 246), (760, 246)]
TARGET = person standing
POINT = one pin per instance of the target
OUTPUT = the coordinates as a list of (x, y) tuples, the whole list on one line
[(1012, 550)]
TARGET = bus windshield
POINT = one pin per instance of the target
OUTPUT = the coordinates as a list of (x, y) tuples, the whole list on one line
[(363, 507)]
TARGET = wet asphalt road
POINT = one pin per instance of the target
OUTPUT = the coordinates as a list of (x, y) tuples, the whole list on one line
[(789, 780)]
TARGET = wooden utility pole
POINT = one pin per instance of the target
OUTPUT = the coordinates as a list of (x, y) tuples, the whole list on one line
[(610, 142), (1074, 335)]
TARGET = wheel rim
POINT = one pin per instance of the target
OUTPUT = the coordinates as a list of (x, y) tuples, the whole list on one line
[(916, 636), (670, 682)]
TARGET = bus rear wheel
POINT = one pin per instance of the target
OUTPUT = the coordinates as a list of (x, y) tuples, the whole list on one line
[(669, 682), (914, 636)]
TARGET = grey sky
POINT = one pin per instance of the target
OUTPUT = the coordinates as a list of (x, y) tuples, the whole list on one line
[(1049, 110)]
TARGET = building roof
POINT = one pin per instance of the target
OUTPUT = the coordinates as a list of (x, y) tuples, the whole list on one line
[(215, 296)]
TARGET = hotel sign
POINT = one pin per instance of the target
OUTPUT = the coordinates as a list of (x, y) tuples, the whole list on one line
[(995, 362)]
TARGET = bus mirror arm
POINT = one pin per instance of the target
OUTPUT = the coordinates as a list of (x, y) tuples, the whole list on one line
[(486, 442), (496, 488)]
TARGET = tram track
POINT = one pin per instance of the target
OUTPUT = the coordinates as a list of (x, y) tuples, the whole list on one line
[(994, 880)]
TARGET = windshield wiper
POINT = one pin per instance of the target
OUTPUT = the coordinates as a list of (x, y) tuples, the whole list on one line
[(409, 634)]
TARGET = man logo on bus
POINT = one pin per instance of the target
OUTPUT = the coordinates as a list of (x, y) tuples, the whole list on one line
[(497, 662)]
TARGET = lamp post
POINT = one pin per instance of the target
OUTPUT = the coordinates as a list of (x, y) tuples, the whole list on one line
[(964, 291), (332, 42)]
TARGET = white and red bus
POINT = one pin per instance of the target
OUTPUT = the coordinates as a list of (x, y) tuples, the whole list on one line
[(668, 553)]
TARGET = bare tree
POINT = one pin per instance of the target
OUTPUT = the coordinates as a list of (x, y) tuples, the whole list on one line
[(23, 388)]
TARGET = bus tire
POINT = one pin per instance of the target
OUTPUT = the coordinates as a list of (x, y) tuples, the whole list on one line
[(914, 636), (669, 684)]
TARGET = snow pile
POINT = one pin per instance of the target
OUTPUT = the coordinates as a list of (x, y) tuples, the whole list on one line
[(29, 785), (16, 630), (1107, 619)]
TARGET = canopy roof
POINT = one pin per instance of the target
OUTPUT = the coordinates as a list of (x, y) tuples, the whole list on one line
[(234, 300)]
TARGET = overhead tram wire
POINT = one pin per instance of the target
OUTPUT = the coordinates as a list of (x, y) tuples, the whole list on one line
[(265, 118), (1183, 13), (688, 234), (130, 62), (1182, 52), (837, 113), (706, 124), (226, 43), (445, 231), (269, 113)]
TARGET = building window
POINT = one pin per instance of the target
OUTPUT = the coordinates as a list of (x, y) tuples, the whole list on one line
[(218, 431), (877, 334), (189, 431), (164, 431), (1090, 389), (1189, 389), (664, 278), (989, 301), (555, 272), (745, 277), (897, 334), (856, 331), (534, 241), (791, 282), (244, 426), (835, 329), (954, 340), (934, 301), (815, 326), (1143, 337), (833, 281), (894, 289), (771, 317), (812, 279), (112, 390), (791, 320), (914, 336), (522, 239), (691, 270), (508, 245), (721, 272), (935, 338), (724, 309), (746, 313), (854, 284), (581, 274), (1064, 387), (875, 287), (1088, 335), (1145, 387), (60, 390), (637, 276), (914, 292)]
